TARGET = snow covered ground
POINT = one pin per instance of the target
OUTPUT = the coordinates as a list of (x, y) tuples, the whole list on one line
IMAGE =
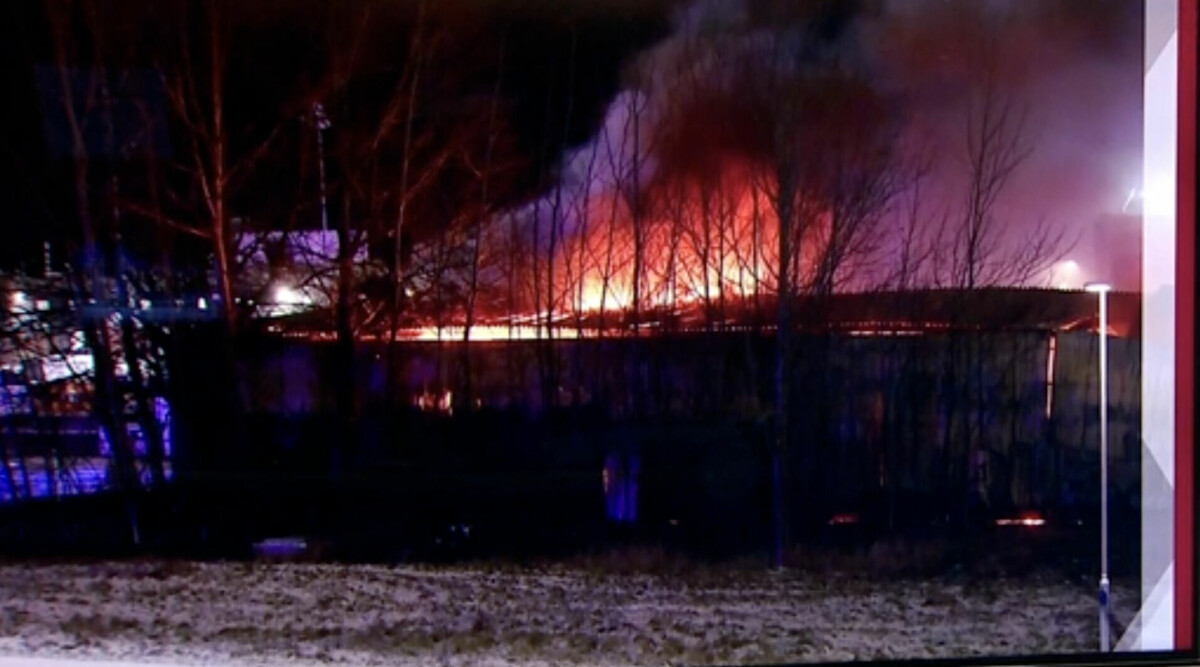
[(272, 614), (70, 662)]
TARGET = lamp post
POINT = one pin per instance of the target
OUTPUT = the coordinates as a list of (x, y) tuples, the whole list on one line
[(322, 123), (1102, 290)]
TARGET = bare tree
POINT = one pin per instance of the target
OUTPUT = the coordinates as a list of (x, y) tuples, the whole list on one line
[(47, 377), (857, 175), (977, 253), (781, 100), (343, 47), (92, 280), (546, 287), (978, 248), (826, 166), (196, 94), (483, 174), (403, 107), (392, 159)]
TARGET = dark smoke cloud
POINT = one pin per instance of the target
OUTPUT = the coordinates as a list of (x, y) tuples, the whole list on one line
[(1073, 67)]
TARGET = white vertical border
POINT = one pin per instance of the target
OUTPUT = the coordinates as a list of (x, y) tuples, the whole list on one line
[(1154, 628)]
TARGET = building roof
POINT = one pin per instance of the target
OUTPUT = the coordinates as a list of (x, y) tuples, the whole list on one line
[(992, 309), (873, 313)]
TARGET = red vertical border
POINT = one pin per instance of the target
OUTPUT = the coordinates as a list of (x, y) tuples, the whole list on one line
[(1185, 334)]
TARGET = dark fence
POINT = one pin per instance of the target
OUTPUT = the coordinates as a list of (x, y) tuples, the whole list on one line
[(528, 441), (531, 448)]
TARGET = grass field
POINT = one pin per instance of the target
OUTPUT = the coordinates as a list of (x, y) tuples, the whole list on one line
[(581, 612)]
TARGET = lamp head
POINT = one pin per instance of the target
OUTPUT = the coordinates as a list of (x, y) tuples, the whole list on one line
[(1097, 288)]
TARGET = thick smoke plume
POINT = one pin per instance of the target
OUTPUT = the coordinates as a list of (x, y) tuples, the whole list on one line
[(684, 143)]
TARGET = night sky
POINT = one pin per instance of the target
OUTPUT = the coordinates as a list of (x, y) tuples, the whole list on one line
[(280, 58), (1074, 67)]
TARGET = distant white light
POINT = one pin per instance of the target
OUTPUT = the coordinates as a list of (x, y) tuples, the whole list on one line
[(1031, 522), (144, 304), (18, 300), (43, 305), (1097, 288), (1066, 274), (1158, 197), (289, 296), (202, 303), (1029, 519)]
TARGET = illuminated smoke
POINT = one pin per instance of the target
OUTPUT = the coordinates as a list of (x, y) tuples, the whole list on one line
[(669, 199), (676, 161)]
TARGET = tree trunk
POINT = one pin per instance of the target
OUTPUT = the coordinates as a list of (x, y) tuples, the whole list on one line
[(779, 448), (345, 363), (222, 233), (476, 234), (139, 386), (398, 268)]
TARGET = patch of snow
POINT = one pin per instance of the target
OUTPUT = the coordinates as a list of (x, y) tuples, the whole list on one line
[(275, 614)]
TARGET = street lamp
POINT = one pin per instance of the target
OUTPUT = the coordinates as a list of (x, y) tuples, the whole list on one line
[(1102, 290)]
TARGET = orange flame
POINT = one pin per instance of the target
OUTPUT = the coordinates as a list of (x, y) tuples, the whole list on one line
[(689, 244), (694, 245)]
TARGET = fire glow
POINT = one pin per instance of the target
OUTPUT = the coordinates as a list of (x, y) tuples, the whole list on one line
[(1030, 520), (710, 251), (693, 246), (845, 519)]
